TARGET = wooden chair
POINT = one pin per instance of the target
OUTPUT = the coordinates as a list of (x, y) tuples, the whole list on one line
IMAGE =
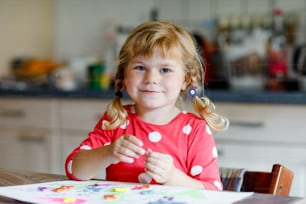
[(276, 182)]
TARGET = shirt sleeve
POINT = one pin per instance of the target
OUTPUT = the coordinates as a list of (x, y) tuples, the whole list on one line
[(202, 157)]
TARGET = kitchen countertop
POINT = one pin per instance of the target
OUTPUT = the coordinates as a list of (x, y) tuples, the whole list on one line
[(292, 97)]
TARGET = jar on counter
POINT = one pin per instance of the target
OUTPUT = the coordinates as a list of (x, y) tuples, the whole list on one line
[(98, 78)]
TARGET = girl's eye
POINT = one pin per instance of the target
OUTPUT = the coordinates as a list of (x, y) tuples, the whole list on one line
[(140, 68), (165, 70)]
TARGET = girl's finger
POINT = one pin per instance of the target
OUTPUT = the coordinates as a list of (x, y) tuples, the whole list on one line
[(134, 144), (133, 140)]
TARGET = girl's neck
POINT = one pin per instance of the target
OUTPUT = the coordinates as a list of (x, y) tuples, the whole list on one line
[(159, 116)]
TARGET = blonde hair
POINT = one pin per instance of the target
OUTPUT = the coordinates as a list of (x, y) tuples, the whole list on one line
[(172, 40)]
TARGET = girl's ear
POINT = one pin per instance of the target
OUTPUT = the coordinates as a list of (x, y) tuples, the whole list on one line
[(186, 82)]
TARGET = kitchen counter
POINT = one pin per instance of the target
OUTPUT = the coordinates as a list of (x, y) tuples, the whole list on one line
[(294, 97)]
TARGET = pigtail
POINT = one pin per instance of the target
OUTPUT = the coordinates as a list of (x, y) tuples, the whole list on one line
[(202, 105), (116, 113), (206, 110)]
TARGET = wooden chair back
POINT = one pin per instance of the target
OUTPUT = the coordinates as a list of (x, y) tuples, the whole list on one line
[(276, 182)]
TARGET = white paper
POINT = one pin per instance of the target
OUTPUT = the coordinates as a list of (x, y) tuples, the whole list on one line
[(80, 192)]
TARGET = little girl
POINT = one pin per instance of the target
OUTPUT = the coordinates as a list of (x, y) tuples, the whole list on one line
[(152, 140)]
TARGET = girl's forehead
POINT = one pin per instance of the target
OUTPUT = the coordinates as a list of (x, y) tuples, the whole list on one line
[(165, 59), (171, 53)]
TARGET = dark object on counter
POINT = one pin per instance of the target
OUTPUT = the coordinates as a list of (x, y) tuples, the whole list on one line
[(217, 85), (17, 62), (299, 59), (98, 79), (32, 69), (299, 64), (284, 85), (215, 76)]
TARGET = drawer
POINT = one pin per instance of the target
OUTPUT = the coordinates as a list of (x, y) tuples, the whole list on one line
[(261, 152), (26, 112), (264, 122), (26, 150), (81, 114)]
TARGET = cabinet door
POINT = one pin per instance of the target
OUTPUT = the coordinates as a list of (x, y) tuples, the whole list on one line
[(28, 112), (273, 123), (25, 149), (81, 114)]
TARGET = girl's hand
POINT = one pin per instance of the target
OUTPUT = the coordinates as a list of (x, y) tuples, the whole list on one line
[(127, 148), (159, 166)]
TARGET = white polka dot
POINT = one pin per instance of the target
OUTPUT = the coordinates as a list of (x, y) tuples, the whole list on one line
[(69, 167), (195, 170), (85, 147), (103, 124), (108, 143), (125, 124), (218, 185), (144, 178), (184, 112), (155, 136), (208, 130), (187, 129), (214, 152)]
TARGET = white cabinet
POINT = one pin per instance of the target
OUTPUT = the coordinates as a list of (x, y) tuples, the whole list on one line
[(25, 149), (81, 114), (28, 134), (263, 134)]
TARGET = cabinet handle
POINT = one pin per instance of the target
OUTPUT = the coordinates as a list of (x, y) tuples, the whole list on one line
[(11, 113), (31, 138), (220, 152), (248, 124)]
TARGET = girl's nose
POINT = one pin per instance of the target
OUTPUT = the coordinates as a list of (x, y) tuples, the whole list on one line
[(152, 76)]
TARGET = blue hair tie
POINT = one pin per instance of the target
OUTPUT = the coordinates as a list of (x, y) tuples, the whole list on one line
[(192, 92)]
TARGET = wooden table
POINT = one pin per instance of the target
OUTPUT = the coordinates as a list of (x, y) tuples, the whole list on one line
[(18, 177)]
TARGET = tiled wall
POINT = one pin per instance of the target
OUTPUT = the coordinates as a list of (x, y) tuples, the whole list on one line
[(81, 25)]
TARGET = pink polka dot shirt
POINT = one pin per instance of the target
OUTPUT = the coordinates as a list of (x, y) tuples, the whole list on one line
[(187, 139)]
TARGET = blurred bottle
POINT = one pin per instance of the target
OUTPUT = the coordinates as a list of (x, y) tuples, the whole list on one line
[(277, 53), (98, 77)]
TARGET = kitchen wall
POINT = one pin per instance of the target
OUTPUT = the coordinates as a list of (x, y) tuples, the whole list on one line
[(26, 29), (81, 25), (63, 29)]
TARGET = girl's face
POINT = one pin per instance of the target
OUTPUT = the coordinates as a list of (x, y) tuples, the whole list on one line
[(155, 81)]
